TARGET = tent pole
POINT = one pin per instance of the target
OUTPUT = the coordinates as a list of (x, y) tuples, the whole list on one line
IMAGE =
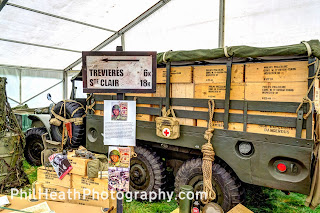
[(221, 23), (65, 85), (2, 4)]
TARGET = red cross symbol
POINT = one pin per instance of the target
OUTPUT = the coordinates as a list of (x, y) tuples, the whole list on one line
[(166, 132)]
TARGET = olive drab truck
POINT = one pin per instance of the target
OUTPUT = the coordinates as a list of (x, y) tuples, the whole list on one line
[(266, 102)]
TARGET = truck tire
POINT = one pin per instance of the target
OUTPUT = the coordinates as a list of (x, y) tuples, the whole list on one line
[(78, 131), (34, 145), (225, 183), (147, 172)]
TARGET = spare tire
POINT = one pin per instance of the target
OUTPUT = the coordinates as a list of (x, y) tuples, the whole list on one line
[(73, 110), (34, 145)]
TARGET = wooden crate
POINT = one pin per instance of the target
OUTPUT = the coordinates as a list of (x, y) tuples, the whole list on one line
[(83, 182), (46, 192), (218, 74), (160, 90), (144, 117), (277, 72), (218, 90), (50, 177), (278, 91), (91, 199), (219, 124), (183, 91), (79, 165), (274, 130), (177, 75)]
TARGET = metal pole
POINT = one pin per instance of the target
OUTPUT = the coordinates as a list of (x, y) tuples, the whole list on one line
[(2, 4), (65, 84), (59, 17), (39, 45), (221, 23), (125, 29), (123, 42), (20, 86), (41, 92)]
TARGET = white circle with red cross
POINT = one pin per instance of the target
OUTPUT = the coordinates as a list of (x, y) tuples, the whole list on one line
[(166, 132)]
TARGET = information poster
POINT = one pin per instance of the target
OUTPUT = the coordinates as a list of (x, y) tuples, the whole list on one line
[(119, 123), (119, 165)]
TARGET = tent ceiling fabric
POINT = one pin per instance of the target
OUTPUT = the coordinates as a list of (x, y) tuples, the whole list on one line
[(26, 26)]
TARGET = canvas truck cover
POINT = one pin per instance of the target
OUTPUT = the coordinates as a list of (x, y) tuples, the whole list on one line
[(241, 52)]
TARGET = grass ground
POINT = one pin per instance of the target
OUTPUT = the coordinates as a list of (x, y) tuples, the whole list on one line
[(258, 199)]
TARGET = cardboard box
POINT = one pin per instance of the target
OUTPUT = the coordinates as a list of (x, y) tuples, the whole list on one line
[(218, 74), (83, 182), (51, 177)]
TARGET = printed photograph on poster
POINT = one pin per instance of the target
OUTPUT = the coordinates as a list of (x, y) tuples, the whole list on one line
[(119, 111), (119, 157), (119, 123), (118, 179)]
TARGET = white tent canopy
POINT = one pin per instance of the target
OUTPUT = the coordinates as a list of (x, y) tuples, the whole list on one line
[(50, 35)]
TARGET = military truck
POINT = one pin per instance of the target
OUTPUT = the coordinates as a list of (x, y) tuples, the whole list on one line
[(266, 102)]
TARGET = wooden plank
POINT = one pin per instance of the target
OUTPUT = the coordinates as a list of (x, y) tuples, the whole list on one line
[(90, 200), (240, 209), (219, 125), (51, 177), (144, 117), (274, 130), (280, 114), (277, 71), (46, 192), (79, 165), (183, 91), (140, 94), (278, 91), (217, 74), (218, 90), (160, 90), (177, 75), (83, 182)]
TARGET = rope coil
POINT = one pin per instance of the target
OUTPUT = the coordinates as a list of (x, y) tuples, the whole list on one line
[(225, 50), (208, 158), (164, 56)]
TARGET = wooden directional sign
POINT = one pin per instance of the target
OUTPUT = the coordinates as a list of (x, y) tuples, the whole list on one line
[(119, 72)]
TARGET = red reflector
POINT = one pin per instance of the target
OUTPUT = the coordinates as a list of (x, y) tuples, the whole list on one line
[(281, 167)]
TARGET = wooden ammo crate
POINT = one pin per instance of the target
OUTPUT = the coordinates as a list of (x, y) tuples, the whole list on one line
[(276, 91), (218, 91), (183, 91), (51, 177), (83, 182), (177, 75), (79, 165), (277, 72), (217, 74), (46, 192)]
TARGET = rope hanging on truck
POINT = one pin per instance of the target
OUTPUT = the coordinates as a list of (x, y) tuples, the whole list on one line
[(306, 99), (208, 158)]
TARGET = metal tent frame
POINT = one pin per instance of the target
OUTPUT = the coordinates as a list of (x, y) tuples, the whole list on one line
[(113, 37)]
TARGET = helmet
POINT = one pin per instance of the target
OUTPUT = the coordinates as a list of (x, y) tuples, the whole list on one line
[(115, 107), (114, 152)]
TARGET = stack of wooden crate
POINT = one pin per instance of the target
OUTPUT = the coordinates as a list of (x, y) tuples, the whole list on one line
[(274, 81), (77, 182)]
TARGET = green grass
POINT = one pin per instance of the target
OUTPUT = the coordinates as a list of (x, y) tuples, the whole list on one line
[(258, 199)]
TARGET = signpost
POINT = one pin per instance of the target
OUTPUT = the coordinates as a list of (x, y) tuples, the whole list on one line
[(119, 72)]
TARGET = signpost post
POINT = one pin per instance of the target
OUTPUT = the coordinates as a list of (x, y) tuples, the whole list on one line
[(119, 72)]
